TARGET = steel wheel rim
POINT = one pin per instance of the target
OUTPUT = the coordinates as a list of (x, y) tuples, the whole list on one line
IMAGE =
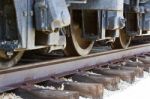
[(124, 39), (6, 62), (83, 47)]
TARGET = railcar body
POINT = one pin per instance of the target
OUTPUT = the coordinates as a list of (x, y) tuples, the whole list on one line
[(70, 25)]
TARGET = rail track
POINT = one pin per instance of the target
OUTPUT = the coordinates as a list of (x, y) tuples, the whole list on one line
[(88, 75)]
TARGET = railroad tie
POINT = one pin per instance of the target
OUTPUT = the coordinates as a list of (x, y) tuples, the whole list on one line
[(110, 83), (138, 64), (125, 75), (139, 71), (145, 60), (39, 93), (87, 90)]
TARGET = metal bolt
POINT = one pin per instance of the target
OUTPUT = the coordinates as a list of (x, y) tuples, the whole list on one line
[(9, 54), (25, 13)]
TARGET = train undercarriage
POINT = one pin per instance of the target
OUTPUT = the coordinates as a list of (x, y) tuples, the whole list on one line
[(70, 25)]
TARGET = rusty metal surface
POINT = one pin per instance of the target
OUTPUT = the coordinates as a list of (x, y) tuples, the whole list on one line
[(41, 71)]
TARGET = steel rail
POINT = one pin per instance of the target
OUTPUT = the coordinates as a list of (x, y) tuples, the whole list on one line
[(14, 77)]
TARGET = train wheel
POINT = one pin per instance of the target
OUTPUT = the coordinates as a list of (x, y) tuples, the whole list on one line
[(6, 62), (76, 45), (123, 41)]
